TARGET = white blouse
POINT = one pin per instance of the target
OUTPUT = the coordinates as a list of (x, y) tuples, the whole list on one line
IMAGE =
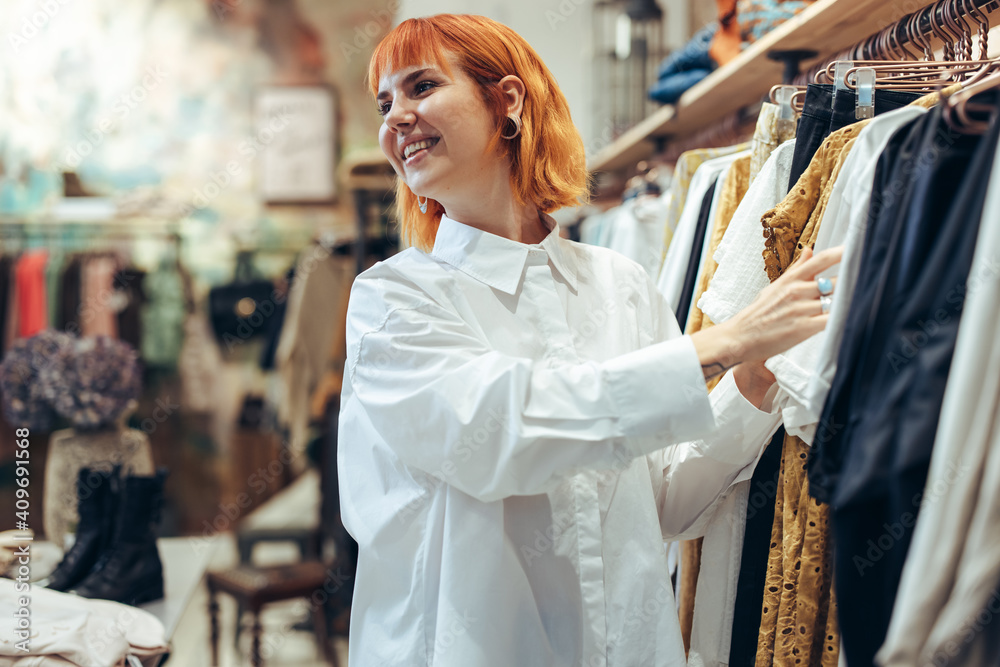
[(508, 459)]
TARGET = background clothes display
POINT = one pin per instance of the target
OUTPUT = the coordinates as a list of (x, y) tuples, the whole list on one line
[(760, 588), (679, 252), (949, 593), (896, 387)]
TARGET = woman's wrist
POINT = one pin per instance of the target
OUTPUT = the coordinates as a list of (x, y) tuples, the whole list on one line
[(718, 349), (753, 381)]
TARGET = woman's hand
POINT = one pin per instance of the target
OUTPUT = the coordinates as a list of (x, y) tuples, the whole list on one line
[(785, 313)]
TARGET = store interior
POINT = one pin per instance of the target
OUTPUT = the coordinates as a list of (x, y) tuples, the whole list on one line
[(188, 189)]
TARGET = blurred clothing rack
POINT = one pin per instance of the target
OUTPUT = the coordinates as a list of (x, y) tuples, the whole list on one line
[(925, 24)]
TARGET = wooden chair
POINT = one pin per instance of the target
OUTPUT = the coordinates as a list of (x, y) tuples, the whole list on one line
[(255, 587)]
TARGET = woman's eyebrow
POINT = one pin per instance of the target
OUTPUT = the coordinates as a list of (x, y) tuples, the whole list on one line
[(406, 80)]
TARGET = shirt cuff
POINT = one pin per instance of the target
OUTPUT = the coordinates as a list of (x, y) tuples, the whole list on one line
[(743, 430), (660, 389)]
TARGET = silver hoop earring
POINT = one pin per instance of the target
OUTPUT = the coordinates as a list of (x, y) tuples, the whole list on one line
[(517, 127), (422, 204)]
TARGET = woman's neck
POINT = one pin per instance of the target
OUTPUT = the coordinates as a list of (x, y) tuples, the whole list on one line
[(522, 224)]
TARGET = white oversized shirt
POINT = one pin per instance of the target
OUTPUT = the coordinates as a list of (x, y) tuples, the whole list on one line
[(501, 455)]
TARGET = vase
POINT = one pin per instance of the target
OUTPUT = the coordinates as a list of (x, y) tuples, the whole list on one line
[(69, 452)]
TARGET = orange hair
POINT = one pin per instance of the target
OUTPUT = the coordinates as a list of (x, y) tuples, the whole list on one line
[(548, 165)]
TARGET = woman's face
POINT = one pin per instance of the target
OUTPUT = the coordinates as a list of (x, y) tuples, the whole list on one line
[(435, 132)]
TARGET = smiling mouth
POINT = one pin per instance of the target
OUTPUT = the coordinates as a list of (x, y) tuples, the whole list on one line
[(418, 146)]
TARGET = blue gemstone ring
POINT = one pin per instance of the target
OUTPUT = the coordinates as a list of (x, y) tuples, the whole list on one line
[(825, 286)]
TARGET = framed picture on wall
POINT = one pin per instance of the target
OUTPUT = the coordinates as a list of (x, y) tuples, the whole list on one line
[(296, 132)]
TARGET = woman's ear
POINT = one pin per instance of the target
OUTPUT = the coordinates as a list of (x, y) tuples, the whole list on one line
[(513, 90)]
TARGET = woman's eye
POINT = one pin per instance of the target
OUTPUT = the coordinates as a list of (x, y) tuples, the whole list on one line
[(423, 86), (383, 108)]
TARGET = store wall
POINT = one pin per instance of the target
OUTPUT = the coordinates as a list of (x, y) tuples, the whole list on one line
[(155, 96)]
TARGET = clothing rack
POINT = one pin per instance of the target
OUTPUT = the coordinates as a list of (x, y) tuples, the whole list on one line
[(924, 22), (122, 228), (929, 17), (828, 27)]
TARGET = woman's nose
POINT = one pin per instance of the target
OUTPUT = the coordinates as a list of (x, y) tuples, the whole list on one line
[(401, 114)]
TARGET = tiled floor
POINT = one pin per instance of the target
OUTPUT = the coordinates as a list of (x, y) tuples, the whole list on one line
[(281, 644)]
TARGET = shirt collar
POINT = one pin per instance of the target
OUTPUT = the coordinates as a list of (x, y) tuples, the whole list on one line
[(498, 261)]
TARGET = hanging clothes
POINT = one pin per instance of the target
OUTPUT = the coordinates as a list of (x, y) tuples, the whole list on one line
[(71, 293), (818, 617), (798, 610), (740, 275), (684, 171), (711, 564), (53, 284), (636, 229), (771, 131), (711, 569), (824, 113), (927, 241), (163, 315), (128, 301), (849, 191), (694, 260), (949, 594), (672, 273), (32, 307), (7, 282), (310, 318), (11, 324), (97, 317)]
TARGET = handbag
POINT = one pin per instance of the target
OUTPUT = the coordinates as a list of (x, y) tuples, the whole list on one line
[(241, 310)]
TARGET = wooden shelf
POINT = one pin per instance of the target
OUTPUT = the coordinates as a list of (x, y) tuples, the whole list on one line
[(826, 27)]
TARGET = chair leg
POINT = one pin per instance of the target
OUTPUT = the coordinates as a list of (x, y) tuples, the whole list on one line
[(255, 659), (322, 636), (240, 608), (213, 613)]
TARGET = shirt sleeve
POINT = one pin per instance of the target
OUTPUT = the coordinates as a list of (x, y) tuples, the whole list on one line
[(689, 479), (495, 425)]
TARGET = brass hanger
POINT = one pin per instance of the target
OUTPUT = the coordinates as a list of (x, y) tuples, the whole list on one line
[(959, 107)]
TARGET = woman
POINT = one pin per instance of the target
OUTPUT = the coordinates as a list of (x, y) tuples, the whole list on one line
[(513, 402)]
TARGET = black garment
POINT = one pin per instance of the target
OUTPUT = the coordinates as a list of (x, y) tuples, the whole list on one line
[(6, 280), (823, 114), (756, 550), (813, 127), (906, 312), (691, 276), (128, 284), (70, 296), (845, 102), (889, 192), (275, 324)]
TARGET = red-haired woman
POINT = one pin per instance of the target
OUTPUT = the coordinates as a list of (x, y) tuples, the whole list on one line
[(523, 422)]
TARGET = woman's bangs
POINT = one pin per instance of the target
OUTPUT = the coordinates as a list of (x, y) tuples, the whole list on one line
[(412, 42)]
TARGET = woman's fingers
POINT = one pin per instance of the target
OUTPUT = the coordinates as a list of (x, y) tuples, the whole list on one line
[(789, 310), (808, 289), (808, 266)]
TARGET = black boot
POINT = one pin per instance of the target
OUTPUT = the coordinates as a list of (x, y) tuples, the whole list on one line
[(130, 571), (97, 505)]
